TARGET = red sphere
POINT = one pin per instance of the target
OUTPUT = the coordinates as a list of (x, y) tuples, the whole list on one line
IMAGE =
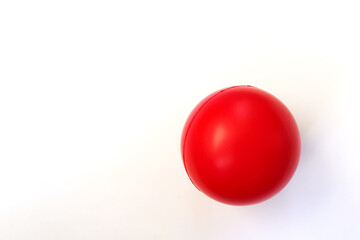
[(240, 145)]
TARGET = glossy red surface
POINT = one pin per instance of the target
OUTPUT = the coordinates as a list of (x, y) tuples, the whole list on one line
[(240, 145)]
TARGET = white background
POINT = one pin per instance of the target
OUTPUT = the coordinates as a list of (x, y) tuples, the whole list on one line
[(94, 95)]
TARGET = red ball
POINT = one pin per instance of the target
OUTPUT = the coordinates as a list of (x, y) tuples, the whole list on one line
[(240, 145)]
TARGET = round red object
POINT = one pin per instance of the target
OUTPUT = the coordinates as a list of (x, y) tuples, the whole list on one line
[(240, 145)]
